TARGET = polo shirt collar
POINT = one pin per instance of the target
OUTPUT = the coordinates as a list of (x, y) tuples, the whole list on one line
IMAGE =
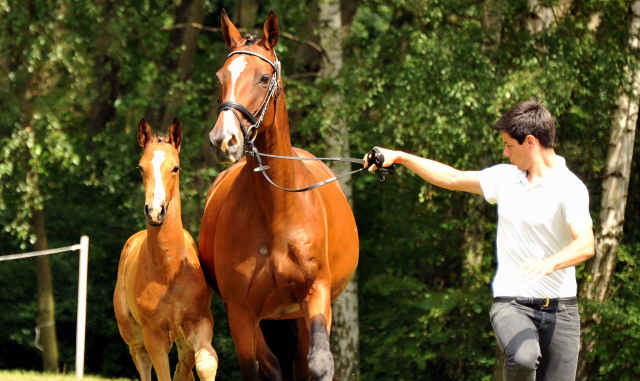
[(557, 170)]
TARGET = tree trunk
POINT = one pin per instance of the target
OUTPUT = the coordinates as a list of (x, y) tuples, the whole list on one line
[(245, 14), (106, 70), (541, 17), (46, 304), (185, 40), (492, 24), (599, 269), (344, 330)]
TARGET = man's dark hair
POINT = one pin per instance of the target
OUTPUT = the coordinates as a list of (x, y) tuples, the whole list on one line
[(529, 118)]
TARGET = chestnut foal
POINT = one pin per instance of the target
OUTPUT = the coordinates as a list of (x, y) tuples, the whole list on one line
[(161, 295)]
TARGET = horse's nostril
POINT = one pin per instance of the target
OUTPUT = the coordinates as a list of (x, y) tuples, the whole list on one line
[(226, 143), (146, 209)]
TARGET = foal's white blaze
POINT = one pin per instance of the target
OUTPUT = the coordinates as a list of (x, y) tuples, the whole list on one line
[(158, 192)]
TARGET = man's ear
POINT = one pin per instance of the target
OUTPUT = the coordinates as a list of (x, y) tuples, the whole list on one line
[(530, 140)]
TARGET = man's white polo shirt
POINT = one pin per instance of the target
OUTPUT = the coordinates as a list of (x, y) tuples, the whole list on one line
[(533, 222)]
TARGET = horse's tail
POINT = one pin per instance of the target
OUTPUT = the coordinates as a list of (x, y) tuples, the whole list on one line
[(282, 338)]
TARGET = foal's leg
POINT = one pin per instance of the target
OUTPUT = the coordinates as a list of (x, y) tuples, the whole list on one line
[(199, 339), (317, 316), (131, 332), (158, 345), (186, 361)]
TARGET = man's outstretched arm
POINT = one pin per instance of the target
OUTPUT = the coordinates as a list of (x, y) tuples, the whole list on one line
[(434, 172)]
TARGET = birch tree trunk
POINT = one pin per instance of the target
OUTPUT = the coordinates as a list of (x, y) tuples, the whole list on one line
[(599, 269), (345, 328)]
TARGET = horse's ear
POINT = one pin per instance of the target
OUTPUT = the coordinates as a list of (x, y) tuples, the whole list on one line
[(231, 35), (175, 134), (271, 31), (144, 133)]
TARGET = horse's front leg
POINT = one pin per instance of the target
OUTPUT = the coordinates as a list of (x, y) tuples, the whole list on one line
[(158, 345), (317, 318), (243, 324), (199, 340)]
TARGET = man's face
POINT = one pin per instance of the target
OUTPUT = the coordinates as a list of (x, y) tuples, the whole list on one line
[(517, 153)]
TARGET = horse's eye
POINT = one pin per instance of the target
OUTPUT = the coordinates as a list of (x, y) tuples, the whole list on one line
[(175, 170), (139, 168), (265, 79)]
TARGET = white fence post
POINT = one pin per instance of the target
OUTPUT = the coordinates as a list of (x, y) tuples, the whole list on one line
[(82, 291), (82, 305)]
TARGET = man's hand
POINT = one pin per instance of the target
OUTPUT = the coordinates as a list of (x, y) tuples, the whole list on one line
[(535, 269), (389, 158)]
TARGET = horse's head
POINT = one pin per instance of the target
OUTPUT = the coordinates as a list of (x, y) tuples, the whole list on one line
[(159, 166), (249, 87)]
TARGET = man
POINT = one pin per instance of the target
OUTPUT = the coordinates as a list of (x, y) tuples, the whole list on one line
[(544, 230)]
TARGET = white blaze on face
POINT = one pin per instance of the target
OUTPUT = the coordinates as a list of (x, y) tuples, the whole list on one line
[(158, 192), (236, 68)]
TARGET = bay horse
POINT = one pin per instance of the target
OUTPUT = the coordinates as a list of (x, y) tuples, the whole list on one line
[(272, 254), (161, 295)]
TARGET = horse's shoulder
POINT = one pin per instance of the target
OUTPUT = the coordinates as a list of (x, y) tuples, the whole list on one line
[(189, 242), (227, 174), (134, 242)]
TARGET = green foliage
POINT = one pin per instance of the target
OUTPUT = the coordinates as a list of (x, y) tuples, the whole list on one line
[(618, 332)]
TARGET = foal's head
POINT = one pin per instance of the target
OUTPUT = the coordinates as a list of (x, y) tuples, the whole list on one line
[(159, 166), (244, 79)]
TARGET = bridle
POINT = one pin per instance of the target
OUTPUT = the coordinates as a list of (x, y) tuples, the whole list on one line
[(250, 134), (273, 91)]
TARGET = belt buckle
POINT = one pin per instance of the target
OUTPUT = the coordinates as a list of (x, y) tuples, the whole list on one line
[(546, 304)]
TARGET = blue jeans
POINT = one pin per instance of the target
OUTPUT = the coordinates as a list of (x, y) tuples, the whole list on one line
[(540, 343)]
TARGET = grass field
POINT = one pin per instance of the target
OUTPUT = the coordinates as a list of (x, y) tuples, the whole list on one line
[(19, 375)]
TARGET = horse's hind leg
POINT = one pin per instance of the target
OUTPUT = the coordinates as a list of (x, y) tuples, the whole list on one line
[(186, 362), (269, 366)]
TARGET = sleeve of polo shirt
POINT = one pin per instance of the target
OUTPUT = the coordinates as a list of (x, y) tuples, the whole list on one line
[(575, 204), (489, 182)]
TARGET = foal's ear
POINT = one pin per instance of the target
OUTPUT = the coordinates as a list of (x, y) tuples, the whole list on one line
[(231, 35), (144, 133), (175, 134), (271, 31)]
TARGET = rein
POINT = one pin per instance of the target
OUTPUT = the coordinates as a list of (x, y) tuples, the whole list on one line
[(250, 134)]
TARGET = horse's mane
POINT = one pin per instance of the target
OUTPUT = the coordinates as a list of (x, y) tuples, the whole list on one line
[(250, 39)]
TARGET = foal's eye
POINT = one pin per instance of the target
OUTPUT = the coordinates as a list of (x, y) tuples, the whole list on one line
[(265, 79), (175, 170), (139, 168)]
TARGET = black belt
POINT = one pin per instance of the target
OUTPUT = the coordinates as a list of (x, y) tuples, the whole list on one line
[(538, 302)]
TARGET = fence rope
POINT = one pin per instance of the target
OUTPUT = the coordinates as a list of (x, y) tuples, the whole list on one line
[(82, 296), (39, 253)]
